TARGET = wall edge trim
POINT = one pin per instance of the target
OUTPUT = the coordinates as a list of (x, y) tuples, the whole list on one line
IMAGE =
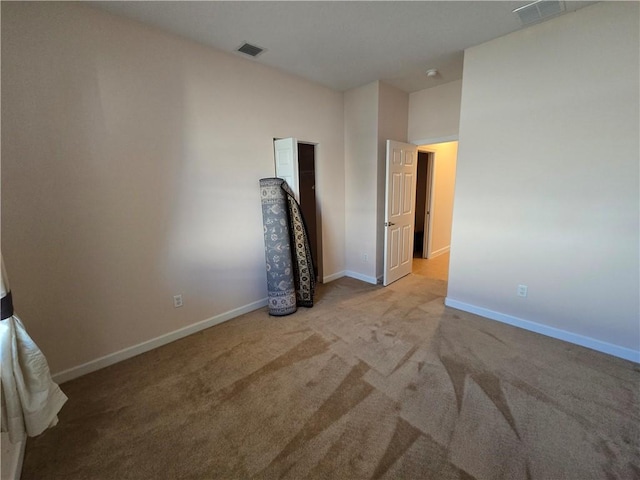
[(431, 141), (440, 251), (333, 276), (134, 350), (360, 276), (570, 337)]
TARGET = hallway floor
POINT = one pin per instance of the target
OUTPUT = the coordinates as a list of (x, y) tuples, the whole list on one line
[(436, 267)]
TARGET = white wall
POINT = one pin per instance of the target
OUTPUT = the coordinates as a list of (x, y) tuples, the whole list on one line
[(361, 155), (434, 113), (373, 113), (130, 168), (444, 181), (547, 182), (393, 111)]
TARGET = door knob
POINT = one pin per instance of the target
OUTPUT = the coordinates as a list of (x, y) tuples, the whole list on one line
[(388, 224)]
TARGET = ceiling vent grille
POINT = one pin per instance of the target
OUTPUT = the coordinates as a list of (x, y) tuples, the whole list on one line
[(540, 10), (251, 50)]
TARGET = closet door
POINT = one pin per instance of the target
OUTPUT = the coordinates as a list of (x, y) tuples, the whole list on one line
[(286, 157)]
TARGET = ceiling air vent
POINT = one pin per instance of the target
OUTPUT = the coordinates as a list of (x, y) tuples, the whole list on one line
[(540, 10), (251, 50)]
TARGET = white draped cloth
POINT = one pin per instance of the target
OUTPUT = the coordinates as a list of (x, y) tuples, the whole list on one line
[(30, 399)]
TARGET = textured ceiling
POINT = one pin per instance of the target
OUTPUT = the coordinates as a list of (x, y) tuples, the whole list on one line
[(341, 44)]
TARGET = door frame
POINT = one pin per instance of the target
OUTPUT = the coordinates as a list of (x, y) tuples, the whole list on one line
[(428, 217), (316, 156)]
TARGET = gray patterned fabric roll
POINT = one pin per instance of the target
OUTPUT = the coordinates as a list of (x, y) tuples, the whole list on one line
[(280, 284), (304, 276)]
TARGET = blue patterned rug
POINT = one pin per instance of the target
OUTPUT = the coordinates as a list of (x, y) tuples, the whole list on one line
[(290, 274)]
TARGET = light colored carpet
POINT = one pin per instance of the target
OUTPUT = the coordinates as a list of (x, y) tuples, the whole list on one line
[(372, 382)]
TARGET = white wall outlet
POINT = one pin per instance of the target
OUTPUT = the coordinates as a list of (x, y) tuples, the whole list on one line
[(177, 301), (365, 257), (522, 290)]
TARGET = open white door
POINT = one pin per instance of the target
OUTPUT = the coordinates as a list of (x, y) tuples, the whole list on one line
[(286, 156), (399, 217)]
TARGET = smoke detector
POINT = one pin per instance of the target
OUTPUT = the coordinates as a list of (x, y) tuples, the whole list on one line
[(432, 72)]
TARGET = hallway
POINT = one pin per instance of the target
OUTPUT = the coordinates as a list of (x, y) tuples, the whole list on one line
[(437, 267)]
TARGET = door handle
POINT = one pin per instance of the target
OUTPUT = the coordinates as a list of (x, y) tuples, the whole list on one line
[(388, 224)]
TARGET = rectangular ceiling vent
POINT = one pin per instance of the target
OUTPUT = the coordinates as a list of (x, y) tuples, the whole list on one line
[(539, 10), (251, 50)]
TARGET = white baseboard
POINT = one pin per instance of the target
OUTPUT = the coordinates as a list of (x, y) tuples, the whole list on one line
[(12, 457), (588, 342), (143, 347), (440, 251), (359, 276), (333, 276)]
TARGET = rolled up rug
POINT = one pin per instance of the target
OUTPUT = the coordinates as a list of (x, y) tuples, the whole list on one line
[(290, 274), (304, 275), (281, 292)]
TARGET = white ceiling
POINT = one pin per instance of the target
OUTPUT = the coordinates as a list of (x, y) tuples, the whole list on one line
[(340, 44)]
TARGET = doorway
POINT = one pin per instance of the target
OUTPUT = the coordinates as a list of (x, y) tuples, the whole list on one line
[(424, 187), (295, 162), (404, 198), (308, 205), (434, 197)]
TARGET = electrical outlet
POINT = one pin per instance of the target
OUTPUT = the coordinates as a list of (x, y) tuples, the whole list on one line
[(177, 301), (522, 290), (365, 257)]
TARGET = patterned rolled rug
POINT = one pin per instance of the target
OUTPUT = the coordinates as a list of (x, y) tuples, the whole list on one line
[(304, 276), (290, 275)]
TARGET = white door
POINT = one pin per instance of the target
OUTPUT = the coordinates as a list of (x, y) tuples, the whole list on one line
[(402, 161), (286, 156)]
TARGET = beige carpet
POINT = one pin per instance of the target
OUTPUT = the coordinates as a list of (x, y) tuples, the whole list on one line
[(372, 382)]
